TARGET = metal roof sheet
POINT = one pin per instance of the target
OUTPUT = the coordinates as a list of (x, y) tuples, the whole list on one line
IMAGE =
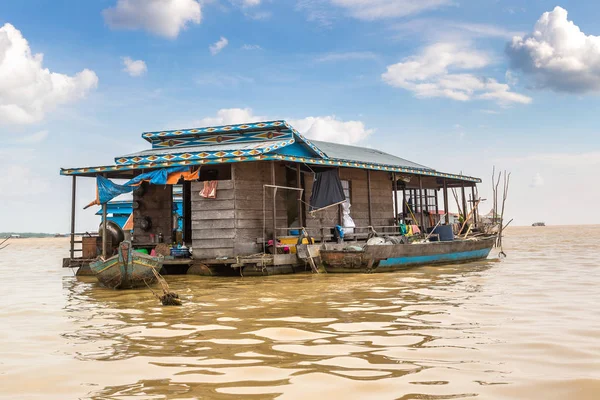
[(364, 155)]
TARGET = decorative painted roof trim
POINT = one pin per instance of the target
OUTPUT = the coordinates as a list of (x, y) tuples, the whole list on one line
[(220, 138), (263, 157), (150, 136), (201, 155)]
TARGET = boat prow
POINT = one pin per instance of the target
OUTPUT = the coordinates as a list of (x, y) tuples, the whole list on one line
[(127, 269)]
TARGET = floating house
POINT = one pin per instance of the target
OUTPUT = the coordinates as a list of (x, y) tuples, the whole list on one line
[(253, 187)]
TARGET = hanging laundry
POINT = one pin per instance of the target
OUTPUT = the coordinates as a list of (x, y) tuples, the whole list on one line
[(415, 229), (210, 190)]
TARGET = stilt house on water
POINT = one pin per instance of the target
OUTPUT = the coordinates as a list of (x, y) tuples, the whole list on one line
[(251, 190)]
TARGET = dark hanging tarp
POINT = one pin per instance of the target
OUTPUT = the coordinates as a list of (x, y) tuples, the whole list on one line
[(327, 190)]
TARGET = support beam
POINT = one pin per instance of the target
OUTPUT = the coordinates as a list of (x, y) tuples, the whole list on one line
[(187, 212), (446, 208), (104, 233), (421, 202), (340, 208), (274, 183), (299, 186), (426, 203), (437, 206), (73, 196), (369, 197), (395, 188), (473, 204), (464, 201), (404, 210)]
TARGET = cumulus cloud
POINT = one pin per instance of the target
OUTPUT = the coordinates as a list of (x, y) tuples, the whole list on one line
[(230, 116), (331, 129), (537, 181), (134, 68), (327, 128), (382, 9), (219, 45), (28, 90), (161, 17), (445, 70), (558, 55)]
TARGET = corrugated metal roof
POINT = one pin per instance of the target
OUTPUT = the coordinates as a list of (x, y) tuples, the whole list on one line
[(364, 155)]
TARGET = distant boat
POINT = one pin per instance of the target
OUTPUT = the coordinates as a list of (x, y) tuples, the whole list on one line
[(538, 224), (128, 269)]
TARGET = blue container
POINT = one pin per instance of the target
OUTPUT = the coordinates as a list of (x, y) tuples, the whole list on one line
[(445, 233)]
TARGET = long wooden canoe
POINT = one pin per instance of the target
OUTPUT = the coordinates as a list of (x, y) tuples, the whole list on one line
[(127, 269), (386, 258)]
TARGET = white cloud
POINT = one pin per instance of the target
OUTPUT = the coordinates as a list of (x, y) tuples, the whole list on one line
[(161, 17), (327, 128), (229, 116), (442, 70), (134, 68), (28, 90), (537, 181), (558, 55), (331, 129), (347, 56), (219, 45), (383, 9)]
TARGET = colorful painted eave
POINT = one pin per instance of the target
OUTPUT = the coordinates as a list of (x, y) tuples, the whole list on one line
[(264, 157), (240, 128)]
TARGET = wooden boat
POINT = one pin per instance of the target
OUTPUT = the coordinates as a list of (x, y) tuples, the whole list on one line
[(127, 269), (386, 258)]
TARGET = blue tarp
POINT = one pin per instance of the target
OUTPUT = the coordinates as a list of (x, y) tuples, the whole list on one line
[(108, 190)]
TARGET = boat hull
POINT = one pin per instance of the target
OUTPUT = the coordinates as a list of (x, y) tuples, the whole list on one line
[(126, 270), (388, 258)]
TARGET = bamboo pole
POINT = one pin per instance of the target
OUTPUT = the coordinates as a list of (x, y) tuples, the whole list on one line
[(464, 201)]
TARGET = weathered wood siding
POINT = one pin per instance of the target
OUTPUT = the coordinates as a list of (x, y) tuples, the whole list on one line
[(155, 202), (231, 224)]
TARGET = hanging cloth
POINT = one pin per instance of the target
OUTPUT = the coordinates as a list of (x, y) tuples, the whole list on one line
[(327, 190), (210, 190)]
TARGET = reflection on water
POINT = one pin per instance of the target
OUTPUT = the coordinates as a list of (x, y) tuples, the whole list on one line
[(526, 327)]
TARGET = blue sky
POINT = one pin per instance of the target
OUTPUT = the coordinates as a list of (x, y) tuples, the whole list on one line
[(455, 85)]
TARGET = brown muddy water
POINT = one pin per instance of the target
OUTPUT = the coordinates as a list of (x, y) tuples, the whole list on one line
[(527, 327)]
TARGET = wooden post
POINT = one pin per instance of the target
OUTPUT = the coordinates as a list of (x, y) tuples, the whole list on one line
[(369, 197), (274, 182), (395, 188), (426, 202), (404, 203), (104, 238), (464, 200), (339, 207), (437, 206), (421, 202), (187, 212), (73, 195), (446, 208), (474, 200), (299, 186)]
